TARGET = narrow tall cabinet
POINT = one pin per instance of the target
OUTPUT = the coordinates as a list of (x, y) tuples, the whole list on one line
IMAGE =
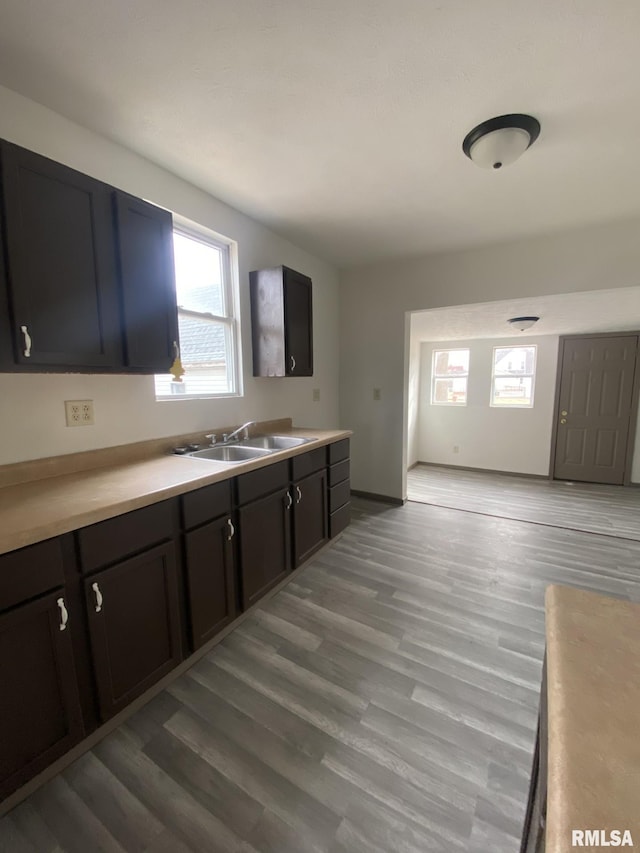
[(281, 322)]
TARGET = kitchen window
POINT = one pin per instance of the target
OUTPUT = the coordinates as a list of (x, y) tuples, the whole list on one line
[(450, 376), (513, 377), (207, 319)]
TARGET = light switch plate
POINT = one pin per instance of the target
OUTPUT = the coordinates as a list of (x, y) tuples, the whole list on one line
[(79, 412), (376, 394), (316, 395)]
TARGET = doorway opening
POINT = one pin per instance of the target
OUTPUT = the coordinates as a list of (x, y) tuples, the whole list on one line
[(453, 422)]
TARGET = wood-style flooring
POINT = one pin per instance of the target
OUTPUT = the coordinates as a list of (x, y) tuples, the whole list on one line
[(609, 510), (385, 701)]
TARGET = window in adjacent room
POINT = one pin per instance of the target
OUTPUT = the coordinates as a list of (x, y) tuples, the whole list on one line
[(514, 370), (206, 319), (450, 376)]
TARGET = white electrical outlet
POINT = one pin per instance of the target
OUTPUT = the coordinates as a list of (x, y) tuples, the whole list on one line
[(79, 412), (456, 448), (377, 394), (316, 395)]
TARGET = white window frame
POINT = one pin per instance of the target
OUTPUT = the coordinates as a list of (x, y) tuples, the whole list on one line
[(231, 301), (435, 376), (531, 376)]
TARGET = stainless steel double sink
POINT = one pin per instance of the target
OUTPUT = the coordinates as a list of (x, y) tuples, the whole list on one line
[(249, 448)]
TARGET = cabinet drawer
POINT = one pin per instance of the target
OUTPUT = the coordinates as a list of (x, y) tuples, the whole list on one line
[(307, 463), (339, 519), (112, 540), (339, 472), (30, 572), (261, 482), (338, 451), (339, 495), (206, 504)]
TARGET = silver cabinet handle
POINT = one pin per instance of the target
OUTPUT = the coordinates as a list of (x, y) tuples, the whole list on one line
[(298, 495), (293, 362), (96, 589), (290, 500), (27, 341), (232, 530), (64, 615)]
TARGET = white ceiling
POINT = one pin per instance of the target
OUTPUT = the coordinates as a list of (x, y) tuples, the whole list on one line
[(340, 122), (563, 314)]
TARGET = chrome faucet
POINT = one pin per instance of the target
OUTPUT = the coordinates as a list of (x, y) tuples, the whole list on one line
[(230, 437)]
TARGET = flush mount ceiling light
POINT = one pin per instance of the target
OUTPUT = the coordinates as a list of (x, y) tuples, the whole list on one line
[(523, 323), (500, 141)]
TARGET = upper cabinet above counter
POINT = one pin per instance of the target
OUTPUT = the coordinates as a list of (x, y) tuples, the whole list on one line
[(281, 322), (86, 273), (88, 282)]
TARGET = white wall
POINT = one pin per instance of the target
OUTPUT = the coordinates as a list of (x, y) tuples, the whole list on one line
[(374, 301), (31, 407), (500, 439)]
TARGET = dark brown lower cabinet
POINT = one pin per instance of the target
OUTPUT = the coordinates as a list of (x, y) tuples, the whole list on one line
[(339, 487), (55, 592), (264, 544), (310, 523), (210, 569), (134, 625), (40, 716)]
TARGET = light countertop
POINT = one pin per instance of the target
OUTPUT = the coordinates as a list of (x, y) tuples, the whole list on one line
[(593, 688), (42, 508)]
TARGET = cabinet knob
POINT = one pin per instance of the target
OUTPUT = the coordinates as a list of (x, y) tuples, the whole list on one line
[(64, 615), (27, 341), (293, 363), (232, 530), (298, 495), (563, 420), (98, 595)]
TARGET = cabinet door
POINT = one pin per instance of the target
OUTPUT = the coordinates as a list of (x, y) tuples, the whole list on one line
[(61, 266), (264, 541), (309, 516), (147, 279), (40, 717), (298, 324), (210, 571), (134, 625), (281, 322)]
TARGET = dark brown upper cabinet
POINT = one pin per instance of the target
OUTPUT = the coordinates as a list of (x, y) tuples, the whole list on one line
[(281, 322), (87, 280), (145, 261), (60, 264)]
